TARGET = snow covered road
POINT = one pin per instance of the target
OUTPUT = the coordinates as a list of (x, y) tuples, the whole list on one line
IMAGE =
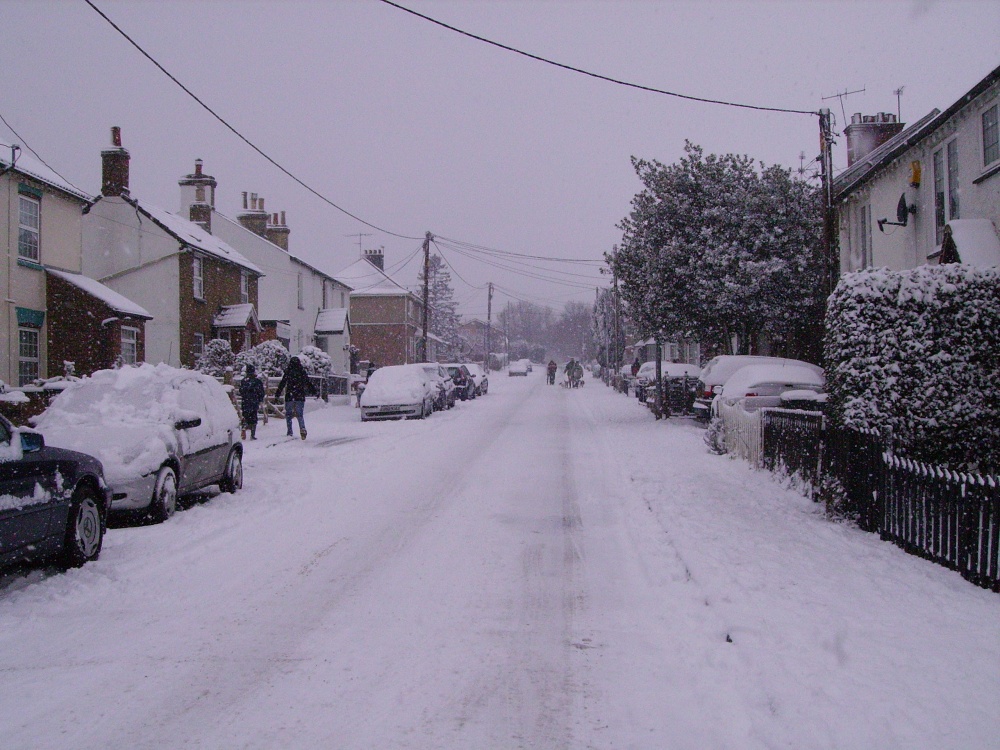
[(539, 568)]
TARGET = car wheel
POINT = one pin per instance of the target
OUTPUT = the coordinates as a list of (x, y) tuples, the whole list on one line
[(84, 530), (164, 495), (232, 479)]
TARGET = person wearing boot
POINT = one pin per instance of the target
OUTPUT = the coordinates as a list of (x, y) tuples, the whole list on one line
[(295, 385), (251, 395)]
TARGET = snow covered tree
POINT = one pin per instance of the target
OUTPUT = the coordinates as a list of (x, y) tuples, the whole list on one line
[(216, 359), (269, 357), (443, 313), (915, 355), (715, 249), (316, 361)]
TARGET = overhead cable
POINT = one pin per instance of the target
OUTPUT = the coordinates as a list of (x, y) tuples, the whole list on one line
[(239, 135), (38, 156), (596, 75)]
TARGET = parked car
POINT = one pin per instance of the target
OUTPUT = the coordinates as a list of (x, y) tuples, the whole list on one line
[(160, 432), (479, 378), (757, 386), (398, 392), (517, 368), (527, 363), (53, 502), (719, 369), (674, 370), (464, 384), (446, 395)]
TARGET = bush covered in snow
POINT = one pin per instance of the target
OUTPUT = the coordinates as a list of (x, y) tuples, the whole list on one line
[(917, 353), (316, 361), (216, 358), (269, 357)]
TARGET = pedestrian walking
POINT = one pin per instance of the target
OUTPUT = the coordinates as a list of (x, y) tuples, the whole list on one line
[(295, 385), (251, 395)]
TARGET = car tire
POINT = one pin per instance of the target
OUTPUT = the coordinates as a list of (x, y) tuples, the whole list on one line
[(232, 478), (84, 529), (164, 501)]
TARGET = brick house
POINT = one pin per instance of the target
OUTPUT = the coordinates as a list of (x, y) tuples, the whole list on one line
[(385, 316), (293, 295), (91, 325), (185, 277)]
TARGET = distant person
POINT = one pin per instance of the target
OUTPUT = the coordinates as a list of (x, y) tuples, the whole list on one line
[(252, 393), (295, 385), (551, 370), (371, 368), (635, 367)]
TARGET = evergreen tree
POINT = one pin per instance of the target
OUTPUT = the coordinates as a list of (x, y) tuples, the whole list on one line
[(443, 313)]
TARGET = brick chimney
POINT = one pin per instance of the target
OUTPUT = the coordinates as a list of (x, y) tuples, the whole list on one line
[(376, 257), (277, 231), (867, 132), (199, 211), (254, 217), (190, 184), (114, 166)]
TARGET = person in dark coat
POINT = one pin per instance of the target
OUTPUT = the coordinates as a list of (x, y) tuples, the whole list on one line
[(295, 385), (251, 395), (635, 367), (551, 371)]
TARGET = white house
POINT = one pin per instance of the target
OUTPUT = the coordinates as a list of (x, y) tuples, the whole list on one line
[(898, 201), (292, 294)]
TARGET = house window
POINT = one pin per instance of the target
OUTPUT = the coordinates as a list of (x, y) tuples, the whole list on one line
[(28, 358), (991, 136), (198, 278), (300, 291), (324, 294), (130, 345), (28, 226), (343, 302), (946, 188), (199, 344), (244, 287), (953, 190)]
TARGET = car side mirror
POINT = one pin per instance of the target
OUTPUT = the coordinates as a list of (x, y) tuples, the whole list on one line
[(184, 424), (32, 442)]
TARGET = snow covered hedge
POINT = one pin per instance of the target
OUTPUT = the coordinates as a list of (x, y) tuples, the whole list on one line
[(917, 352)]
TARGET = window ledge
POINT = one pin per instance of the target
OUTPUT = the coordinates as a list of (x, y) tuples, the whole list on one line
[(987, 173), (27, 263)]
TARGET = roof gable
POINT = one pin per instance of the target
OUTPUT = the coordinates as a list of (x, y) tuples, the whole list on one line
[(97, 290)]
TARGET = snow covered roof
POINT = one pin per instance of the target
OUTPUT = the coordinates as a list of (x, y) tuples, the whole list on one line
[(28, 165), (236, 316), (111, 298), (365, 279), (193, 236), (331, 320), (977, 242)]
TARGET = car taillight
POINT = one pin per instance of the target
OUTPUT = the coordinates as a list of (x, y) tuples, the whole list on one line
[(708, 394), (751, 394)]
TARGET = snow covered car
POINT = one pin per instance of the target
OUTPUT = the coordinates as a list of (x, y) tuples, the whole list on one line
[(757, 386), (675, 370), (479, 378), (397, 392), (518, 367), (160, 432), (464, 383), (53, 502), (446, 396), (719, 369)]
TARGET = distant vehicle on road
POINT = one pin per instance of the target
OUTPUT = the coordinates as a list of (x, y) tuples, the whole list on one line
[(53, 502), (446, 395), (479, 378), (464, 383), (517, 368)]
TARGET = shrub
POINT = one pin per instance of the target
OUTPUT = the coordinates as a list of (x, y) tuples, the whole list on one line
[(316, 361), (917, 353), (216, 359), (269, 357)]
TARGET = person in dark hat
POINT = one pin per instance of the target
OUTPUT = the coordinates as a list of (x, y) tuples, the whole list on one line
[(251, 395), (295, 385)]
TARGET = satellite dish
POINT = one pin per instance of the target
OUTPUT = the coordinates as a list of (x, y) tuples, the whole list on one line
[(902, 210)]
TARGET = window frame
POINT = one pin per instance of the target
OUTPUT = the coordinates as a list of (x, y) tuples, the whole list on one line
[(244, 286), (300, 290), (197, 277), (995, 143), (24, 230), (134, 344), (199, 345), (27, 377)]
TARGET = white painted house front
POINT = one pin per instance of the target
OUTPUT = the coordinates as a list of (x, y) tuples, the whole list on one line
[(896, 203)]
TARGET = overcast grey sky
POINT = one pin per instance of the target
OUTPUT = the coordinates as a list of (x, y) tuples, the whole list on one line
[(415, 128)]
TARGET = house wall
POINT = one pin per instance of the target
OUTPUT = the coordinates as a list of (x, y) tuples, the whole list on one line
[(77, 332), (156, 288), (23, 282), (384, 344), (900, 248)]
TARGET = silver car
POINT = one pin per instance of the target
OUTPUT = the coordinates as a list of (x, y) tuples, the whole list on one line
[(160, 433)]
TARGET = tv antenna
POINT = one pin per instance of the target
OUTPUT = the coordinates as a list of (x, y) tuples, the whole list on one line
[(899, 112), (842, 95), (359, 235)]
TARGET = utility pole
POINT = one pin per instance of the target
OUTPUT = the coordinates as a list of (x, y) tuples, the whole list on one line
[(826, 176), (489, 323), (427, 292), (618, 331)]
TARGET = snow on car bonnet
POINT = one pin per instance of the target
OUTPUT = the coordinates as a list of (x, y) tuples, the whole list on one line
[(394, 384), (751, 375)]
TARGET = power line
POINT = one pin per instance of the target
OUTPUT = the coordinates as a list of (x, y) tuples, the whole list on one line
[(494, 251), (37, 156), (595, 75), (590, 277), (238, 134)]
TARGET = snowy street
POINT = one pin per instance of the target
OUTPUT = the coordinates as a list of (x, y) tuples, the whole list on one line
[(538, 568)]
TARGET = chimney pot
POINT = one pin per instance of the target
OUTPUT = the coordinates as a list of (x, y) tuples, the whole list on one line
[(197, 167), (244, 200), (260, 204), (283, 219), (116, 136)]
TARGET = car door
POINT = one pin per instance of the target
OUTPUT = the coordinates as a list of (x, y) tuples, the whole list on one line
[(28, 494), (221, 423), (195, 440)]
